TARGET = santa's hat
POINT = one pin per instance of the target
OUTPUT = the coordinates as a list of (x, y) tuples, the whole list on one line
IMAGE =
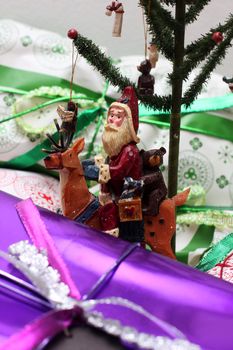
[(129, 102)]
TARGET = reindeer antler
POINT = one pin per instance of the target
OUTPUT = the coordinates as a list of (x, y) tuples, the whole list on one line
[(66, 130)]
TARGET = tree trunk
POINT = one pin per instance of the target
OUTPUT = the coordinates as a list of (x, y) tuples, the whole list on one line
[(177, 83)]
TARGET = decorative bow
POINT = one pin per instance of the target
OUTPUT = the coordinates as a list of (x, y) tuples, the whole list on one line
[(114, 7)]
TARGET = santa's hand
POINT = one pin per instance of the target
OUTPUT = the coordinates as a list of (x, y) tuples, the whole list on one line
[(104, 174), (99, 160), (105, 198), (91, 171)]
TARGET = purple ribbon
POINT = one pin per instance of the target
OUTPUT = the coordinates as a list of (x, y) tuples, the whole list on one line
[(46, 326), (40, 237), (55, 321), (197, 304)]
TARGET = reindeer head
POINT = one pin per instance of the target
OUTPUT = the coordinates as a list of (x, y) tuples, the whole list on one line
[(66, 159)]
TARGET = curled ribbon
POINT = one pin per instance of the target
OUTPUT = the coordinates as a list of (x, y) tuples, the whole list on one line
[(114, 7)]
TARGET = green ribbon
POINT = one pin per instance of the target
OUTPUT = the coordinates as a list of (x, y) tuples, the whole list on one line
[(99, 123), (202, 238), (205, 214), (42, 105), (199, 105), (20, 81), (216, 254), (201, 208), (216, 218), (31, 157), (201, 123), (206, 217), (85, 118), (25, 80), (13, 90)]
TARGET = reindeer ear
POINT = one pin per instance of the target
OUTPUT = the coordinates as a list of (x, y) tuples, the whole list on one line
[(79, 145)]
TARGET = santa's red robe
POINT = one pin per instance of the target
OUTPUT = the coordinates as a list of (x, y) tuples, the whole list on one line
[(126, 164)]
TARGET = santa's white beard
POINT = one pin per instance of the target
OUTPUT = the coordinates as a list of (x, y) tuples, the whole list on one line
[(114, 138)]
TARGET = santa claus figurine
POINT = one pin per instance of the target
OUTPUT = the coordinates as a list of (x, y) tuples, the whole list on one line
[(120, 144)]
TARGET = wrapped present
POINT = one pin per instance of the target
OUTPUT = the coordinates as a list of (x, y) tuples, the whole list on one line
[(218, 260), (43, 68), (43, 59), (199, 226), (35, 83), (136, 293), (38, 62)]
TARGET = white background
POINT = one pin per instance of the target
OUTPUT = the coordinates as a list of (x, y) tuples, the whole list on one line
[(88, 16)]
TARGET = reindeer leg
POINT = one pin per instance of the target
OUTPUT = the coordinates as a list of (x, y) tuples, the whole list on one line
[(159, 229)]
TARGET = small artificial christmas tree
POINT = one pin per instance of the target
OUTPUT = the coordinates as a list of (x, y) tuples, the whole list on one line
[(168, 32)]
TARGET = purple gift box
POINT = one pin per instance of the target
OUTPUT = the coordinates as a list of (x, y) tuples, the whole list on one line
[(199, 305)]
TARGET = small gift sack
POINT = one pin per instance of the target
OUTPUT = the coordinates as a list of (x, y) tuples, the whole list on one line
[(130, 209), (131, 223)]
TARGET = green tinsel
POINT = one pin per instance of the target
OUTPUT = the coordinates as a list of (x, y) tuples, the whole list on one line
[(163, 14), (195, 10), (196, 56), (203, 43), (156, 19), (103, 64), (169, 2), (162, 26), (214, 59)]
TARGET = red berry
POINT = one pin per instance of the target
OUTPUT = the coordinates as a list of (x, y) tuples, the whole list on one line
[(72, 33), (217, 37)]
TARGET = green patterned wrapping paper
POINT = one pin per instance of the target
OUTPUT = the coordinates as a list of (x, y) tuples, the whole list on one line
[(206, 149)]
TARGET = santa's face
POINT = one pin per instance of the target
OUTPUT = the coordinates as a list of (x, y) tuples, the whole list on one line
[(116, 116), (115, 137)]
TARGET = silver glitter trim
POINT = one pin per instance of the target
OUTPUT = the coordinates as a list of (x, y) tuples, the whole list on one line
[(133, 337), (34, 264)]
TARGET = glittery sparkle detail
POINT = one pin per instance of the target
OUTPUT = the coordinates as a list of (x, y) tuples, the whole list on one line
[(217, 218), (133, 337), (34, 264)]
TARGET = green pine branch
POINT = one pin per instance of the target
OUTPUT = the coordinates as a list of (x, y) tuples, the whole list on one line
[(104, 66), (195, 10), (203, 43), (169, 2), (161, 25), (214, 59), (161, 12), (199, 50)]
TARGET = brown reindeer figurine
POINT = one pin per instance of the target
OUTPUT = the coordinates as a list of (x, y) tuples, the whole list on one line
[(154, 228), (159, 229), (76, 200)]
